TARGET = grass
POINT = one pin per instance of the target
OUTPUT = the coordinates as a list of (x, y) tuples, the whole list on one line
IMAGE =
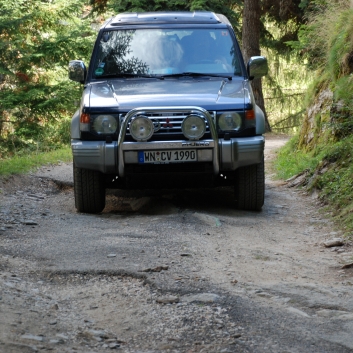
[(291, 161), (20, 164), (330, 171)]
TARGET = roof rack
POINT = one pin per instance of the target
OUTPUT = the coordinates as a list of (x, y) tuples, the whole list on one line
[(196, 17)]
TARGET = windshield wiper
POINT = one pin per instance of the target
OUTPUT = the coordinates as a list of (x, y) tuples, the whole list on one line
[(129, 75), (191, 74)]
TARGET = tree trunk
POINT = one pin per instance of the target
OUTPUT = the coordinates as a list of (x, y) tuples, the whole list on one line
[(251, 46)]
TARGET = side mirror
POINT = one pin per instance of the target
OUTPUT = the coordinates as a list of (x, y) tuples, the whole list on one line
[(257, 67), (77, 71)]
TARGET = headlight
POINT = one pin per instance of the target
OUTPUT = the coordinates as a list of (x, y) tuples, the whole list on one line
[(193, 127), (141, 128), (105, 124), (230, 121)]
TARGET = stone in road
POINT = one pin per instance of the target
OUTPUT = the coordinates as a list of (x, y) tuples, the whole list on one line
[(251, 282)]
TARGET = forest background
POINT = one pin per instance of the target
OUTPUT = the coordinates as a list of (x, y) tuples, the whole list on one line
[(308, 92)]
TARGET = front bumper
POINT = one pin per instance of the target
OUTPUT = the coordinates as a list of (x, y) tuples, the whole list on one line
[(231, 154), (112, 158)]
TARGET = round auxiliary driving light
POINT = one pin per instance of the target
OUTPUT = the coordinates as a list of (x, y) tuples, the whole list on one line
[(230, 121), (105, 124), (193, 127), (141, 128)]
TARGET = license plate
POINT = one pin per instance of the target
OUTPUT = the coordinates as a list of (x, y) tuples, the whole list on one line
[(174, 156)]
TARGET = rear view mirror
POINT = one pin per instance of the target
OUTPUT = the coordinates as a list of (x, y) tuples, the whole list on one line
[(257, 67), (77, 71)]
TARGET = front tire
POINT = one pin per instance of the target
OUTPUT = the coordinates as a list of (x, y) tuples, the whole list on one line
[(89, 190), (249, 188)]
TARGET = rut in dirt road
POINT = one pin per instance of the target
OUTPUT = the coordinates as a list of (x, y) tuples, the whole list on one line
[(169, 271)]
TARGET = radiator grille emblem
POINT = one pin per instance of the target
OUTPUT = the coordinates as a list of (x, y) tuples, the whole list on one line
[(167, 124)]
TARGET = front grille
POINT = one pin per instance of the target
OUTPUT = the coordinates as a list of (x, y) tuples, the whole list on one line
[(168, 125)]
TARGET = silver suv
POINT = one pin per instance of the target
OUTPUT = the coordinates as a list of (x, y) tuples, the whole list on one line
[(167, 103)]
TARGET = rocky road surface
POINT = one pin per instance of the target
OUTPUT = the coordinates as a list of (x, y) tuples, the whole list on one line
[(170, 271)]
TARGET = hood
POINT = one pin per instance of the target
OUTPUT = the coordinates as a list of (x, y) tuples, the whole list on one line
[(124, 95)]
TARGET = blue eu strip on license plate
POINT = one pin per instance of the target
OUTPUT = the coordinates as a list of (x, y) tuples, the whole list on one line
[(141, 157), (172, 156)]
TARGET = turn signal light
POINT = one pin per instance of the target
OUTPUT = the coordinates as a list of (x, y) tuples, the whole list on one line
[(250, 114), (85, 118)]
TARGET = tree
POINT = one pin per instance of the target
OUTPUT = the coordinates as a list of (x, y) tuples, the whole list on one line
[(251, 46)]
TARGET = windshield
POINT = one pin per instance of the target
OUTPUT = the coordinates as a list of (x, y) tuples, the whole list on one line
[(166, 52)]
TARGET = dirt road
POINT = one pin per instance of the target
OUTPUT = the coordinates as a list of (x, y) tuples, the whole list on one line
[(170, 271)]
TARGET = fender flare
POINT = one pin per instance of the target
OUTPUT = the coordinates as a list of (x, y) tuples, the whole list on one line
[(75, 125), (260, 121)]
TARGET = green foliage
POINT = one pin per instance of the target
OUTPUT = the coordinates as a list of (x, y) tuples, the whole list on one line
[(340, 53), (30, 137), (287, 18), (286, 84), (225, 7), (329, 26), (284, 90), (326, 41), (37, 34), (25, 163), (292, 161), (336, 184), (38, 38)]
